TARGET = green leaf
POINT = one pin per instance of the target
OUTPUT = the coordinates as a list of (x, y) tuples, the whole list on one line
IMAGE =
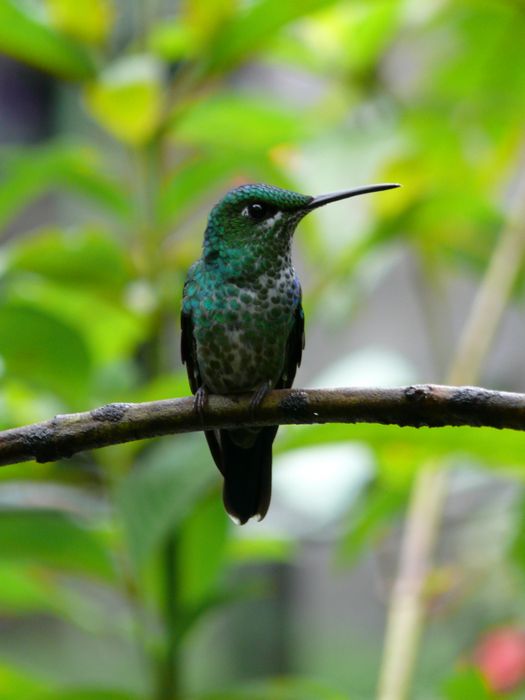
[(257, 124), (494, 93), (255, 24), (194, 180), (113, 329), (89, 694), (163, 386), (28, 173), (280, 689), (368, 29), (405, 448), (43, 350), (205, 19), (89, 21), (30, 589), (23, 591), (21, 404), (346, 37), (87, 258), (162, 491), (70, 660), (202, 550), (243, 550), (201, 180), (467, 683), (16, 684), (369, 519), (127, 99), (190, 34), (172, 40), (54, 540), (28, 39)]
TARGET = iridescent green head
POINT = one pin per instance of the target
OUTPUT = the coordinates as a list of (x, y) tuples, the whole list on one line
[(258, 221), (255, 215)]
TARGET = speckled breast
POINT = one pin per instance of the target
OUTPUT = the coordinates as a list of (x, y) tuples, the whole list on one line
[(241, 331)]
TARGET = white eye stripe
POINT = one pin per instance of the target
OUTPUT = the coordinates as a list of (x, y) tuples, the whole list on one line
[(268, 223)]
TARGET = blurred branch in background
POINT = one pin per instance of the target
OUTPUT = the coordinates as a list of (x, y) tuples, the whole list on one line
[(408, 601)]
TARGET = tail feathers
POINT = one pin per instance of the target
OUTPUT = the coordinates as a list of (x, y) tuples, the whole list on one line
[(247, 475)]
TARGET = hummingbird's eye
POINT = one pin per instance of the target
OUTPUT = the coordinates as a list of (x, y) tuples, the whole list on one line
[(257, 211)]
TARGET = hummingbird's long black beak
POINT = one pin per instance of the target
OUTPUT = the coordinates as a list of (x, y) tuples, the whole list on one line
[(345, 194)]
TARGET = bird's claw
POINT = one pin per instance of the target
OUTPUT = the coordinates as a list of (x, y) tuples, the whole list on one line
[(200, 402), (258, 397)]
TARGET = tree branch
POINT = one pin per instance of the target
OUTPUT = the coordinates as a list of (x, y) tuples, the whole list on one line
[(419, 405)]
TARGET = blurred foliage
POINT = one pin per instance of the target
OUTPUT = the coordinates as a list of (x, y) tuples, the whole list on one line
[(124, 553)]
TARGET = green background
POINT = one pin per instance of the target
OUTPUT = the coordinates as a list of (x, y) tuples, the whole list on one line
[(120, 564)]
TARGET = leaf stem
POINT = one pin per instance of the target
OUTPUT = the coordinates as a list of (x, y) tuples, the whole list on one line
[(169, 676)]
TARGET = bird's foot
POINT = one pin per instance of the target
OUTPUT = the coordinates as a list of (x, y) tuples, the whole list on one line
[(200, 401), (258, 396)]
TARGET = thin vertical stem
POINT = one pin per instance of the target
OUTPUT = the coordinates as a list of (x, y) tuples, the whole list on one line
[(169, 667), (407, 604), (488, 307), (149, 168), (405, 619)]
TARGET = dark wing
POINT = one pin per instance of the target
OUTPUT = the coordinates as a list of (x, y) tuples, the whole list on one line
[(294, 349), (189, 358), (188, 351)]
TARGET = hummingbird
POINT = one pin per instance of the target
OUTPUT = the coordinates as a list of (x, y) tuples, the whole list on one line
[(242, 325)]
